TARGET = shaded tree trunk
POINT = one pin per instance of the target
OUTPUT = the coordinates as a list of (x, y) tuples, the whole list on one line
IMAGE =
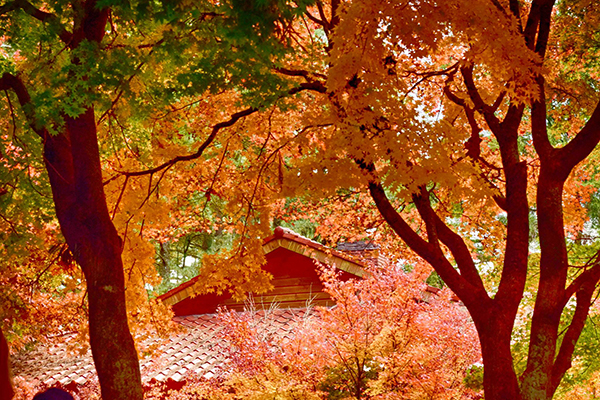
[(6, 388), (73, 164), (499, 377)]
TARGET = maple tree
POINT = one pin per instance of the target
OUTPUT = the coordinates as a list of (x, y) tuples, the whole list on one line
[(465, 125), (380, 341), (82, 72), (472, 129)]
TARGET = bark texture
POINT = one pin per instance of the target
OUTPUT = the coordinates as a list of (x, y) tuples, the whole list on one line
[(73, 164)]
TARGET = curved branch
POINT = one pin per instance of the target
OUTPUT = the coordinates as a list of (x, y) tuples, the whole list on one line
[(454, 242), (590, 275), (315, 86), (300, 72), (12, 82), (42, 16), (215, 130), (323, 22), (423, 204), (583, 144), (480, 105), (468, 293)]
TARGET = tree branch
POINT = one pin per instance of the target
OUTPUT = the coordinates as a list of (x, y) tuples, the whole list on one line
[(300, 72), (318, 21), (589, 275), (473, 144), (532, 24), (42, 16), (585, 289), (421, 200), (430, 253), (581, 145), (454, 242), (315, 86), (545, 17), (480, 105), (11, 82), (515, 9), (215, 130)]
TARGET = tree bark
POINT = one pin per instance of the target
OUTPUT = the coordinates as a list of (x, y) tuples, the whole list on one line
[(73, 163), (499, 377), (6, 388)]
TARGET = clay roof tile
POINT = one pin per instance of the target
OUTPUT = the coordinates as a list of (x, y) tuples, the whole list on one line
[(198, 351)]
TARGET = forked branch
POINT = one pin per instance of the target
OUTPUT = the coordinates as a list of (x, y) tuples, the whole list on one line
[(584, 287), (466, 291), (453, 241)]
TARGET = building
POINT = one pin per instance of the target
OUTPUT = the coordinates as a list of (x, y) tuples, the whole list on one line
[(293, 261)]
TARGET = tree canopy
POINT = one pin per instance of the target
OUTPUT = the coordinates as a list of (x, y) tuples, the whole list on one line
[(462, 136)]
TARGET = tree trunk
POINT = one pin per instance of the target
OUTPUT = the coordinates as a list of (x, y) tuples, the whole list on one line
[(164, 260), (6, 389), (73, 163), (499, 378)]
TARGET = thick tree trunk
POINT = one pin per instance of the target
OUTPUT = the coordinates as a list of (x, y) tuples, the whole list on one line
[(6, 389), (499, 378), (549, 304), (73, 164)]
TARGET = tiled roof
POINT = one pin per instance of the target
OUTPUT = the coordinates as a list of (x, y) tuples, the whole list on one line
[(201, 350), (361, 245)]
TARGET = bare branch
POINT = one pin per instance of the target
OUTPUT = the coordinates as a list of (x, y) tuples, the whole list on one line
[(469, 294), (582, 145), (215, 130), (318, 21), (584, 278), (454, 242), (119, 199), (299, 72), (467, 73), (314, 86)]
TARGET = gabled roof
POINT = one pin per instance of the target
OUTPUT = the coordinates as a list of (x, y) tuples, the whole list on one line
[(287, 239)]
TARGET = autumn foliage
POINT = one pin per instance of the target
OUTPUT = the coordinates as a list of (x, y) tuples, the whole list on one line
[(380, 341), (464, 135)]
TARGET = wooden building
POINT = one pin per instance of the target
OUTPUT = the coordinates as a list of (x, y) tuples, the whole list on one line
[(293, 262)]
